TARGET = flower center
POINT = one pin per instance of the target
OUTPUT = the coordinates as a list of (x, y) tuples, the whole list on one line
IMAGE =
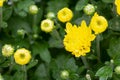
[(64, 13), (22, 55), (99, 22), (46, 24)]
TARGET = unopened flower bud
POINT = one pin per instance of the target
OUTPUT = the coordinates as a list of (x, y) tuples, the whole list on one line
[(50, 15), (112, 61), (88, 77), (64, 74), (1, 78), (35, 36), (47, 25), (89, 9), (20, 31), (33, 9), (7, 50), (117, 70)]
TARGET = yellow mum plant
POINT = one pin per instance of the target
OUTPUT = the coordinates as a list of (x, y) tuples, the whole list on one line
[(22, 56), (98, 24), (78, 39), (65, 15), (47, 25), (117, 3)]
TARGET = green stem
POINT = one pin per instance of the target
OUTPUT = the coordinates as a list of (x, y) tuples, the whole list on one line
[(11, 64), (25, 72), (34, 20), (0, 17), (84, 60), (98, 47)]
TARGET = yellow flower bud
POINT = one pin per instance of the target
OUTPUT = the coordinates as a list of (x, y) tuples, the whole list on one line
[(65, 15), (22, 56), (47, 25), (117, 70), (64, 74), (7, 50), (98, 23)]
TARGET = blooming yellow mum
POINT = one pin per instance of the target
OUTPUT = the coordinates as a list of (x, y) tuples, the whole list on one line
[(78, 39), (47, 25), (7, 50), (1, 2), (98, 24), (22, 56), (65, 14), (117, 3)]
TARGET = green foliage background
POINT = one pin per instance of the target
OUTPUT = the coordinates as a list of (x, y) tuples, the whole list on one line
[(49, 58)]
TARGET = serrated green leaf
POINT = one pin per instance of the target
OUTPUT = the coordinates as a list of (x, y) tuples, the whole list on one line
[(114, 24), (19, 75), (108, 1), (42, 50), (32, 64), (104, 72), (17, 23), (57, 5), (114, 48), (80, 5), (41, 73), (103, 78), (55, 40), (7, 13)]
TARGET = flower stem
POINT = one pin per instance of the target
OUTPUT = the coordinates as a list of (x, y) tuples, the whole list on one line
[(0, 18), (98, 47), (11, 64), (84, 60), (34, 20), (25, 72)]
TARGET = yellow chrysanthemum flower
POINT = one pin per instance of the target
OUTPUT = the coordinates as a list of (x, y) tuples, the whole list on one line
[(78, 39), (98, 24), (7, 50), (117, 3), (65, 14), (1, 2), (47, 25), (22, 56)]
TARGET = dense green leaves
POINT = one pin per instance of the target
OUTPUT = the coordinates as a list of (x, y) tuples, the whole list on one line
[(104, 72), (42, 50), (49, 58), (80, 5)]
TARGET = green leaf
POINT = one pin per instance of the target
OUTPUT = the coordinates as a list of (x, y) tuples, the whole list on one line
[(108, 1), (114, 48), (114, 24), (80, 5), (104, 72), (32, 64), (42, 50), (23, 7), (18, 75), (57, 5), (18, 23), (7, 77), (7, 13), (55, 40), (103, 78), (41, 73)]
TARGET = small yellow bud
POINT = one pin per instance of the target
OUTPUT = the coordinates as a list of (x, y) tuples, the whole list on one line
[(7, 50), (47, 25), (64, 74), (117, 70)]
